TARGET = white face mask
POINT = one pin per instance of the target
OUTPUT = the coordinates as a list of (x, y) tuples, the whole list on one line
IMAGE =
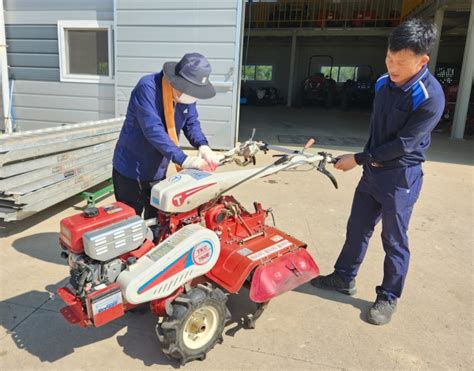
[(186, 99)]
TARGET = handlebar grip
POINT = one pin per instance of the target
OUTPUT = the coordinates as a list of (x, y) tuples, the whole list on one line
[(309, 143)]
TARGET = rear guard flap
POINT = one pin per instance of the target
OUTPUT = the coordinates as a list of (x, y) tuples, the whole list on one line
[(282, 274), (73, 311)]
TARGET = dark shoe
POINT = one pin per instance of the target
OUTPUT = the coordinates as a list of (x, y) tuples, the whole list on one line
[(381, 311), (334, 282)]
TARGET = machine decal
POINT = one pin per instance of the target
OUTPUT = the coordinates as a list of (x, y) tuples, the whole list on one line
[(178, 265), (202, 253), (244, 251), (179, 199), (196, 174), (112, 209), (175, 178), (107, 303), (270, 250)]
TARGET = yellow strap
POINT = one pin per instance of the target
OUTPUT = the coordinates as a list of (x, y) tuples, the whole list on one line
[(169, 113)]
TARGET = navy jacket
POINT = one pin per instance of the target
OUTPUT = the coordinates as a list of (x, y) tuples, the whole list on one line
[(402, 120), (144, 149)]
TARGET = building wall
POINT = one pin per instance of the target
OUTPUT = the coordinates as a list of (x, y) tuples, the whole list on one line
[(451, 50), (150, 33), (40, 99)]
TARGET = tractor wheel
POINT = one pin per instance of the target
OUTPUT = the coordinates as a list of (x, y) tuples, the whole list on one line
[(195, 325)]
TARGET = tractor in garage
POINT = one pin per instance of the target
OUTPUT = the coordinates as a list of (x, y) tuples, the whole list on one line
[(318, 87), (360, 90)]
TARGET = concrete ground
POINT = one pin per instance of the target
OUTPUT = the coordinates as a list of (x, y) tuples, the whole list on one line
[(302, 329)]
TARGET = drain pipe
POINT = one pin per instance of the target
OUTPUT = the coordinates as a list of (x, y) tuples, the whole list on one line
[(7, 124)]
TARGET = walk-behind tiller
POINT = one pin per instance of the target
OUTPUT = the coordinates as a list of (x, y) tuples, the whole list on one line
[(202, 246)]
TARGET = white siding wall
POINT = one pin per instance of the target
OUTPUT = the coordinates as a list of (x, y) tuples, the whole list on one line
[(150, 33), (40, 99)]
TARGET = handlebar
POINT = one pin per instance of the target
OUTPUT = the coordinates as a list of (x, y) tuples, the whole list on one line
[(288, 159)]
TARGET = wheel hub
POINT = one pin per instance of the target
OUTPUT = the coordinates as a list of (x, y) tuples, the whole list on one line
[(200, 327)]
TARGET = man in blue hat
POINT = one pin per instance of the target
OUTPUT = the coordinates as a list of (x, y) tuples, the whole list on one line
[(161, 106), (408, 104)]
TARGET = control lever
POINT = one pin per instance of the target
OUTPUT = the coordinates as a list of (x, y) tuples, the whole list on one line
[(322, 167), (308, 144)]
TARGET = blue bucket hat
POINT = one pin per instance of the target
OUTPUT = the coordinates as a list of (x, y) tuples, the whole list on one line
[(191, 76)]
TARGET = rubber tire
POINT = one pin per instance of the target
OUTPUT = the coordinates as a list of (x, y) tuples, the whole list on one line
[(170, 330)]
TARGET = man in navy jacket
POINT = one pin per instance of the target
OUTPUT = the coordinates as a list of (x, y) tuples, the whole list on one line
[(144, 148), (408, 105)]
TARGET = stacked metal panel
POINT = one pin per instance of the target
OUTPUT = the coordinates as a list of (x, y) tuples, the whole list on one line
[(40, 168)]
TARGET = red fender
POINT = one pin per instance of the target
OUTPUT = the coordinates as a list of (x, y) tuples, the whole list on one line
[(237, 260), (282, 274)]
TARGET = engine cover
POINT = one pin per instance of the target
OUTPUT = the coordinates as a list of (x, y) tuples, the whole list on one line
[(74, 227), (188, 253), (115, 239)]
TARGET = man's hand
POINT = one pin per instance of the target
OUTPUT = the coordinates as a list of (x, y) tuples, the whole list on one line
[(345, 162), (211, 157), (195, 162)]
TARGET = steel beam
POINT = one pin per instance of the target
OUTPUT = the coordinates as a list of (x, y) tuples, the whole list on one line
[(465, 83), (291, 75)]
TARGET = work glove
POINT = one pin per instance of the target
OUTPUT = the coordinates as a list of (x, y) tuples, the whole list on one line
[(212, 158), (195, 162)]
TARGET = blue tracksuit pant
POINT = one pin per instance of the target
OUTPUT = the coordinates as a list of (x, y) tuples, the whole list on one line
[(388, 195)]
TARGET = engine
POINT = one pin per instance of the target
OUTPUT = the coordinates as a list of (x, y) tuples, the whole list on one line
[(96, 241), (115, 264), (86, 273)]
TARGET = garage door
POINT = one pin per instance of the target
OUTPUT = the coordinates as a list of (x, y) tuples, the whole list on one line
[(150, 33)]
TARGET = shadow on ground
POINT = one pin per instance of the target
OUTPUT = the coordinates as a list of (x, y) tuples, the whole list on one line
[(42, 246), (44, 333), (360, 304), (240, 307)]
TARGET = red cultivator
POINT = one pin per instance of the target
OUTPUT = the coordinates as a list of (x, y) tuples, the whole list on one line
[(202, 246)]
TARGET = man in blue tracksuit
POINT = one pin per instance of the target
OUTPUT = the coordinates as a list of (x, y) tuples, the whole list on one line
[(144, 148), (408, 104)]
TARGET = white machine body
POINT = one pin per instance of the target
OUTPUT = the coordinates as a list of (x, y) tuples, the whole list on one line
[(190, 252), (191, 188)]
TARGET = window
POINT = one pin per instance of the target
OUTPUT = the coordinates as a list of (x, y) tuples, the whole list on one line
[(257, 72), (85, 51), (340, 73), (248, 72)]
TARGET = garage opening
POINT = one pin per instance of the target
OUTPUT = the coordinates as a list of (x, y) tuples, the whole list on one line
[(309, 67)]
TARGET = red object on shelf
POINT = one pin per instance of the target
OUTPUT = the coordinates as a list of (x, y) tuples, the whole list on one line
[(363, 18)]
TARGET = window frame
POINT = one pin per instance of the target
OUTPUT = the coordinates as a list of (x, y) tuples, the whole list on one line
[(63, 27), (255, 65), (244, 76), (338, 67)]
